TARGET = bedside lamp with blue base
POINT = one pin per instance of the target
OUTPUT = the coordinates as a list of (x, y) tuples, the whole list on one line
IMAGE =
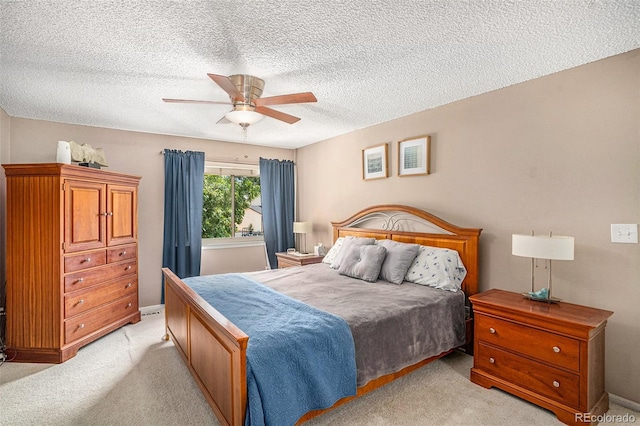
[(542, 247)]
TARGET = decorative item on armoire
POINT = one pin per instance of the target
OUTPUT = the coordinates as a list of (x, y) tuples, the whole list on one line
[(87, 156), (63, 154)]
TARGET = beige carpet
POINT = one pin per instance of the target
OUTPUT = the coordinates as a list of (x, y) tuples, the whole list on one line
[(131, 377)]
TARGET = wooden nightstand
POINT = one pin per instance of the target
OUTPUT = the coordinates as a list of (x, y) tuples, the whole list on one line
[(286, 260), (549, 354)]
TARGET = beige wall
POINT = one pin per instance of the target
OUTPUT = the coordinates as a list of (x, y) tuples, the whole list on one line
[(35, 141), (560, 153)]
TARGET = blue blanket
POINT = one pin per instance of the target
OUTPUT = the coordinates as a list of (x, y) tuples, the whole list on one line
[(298, 358)]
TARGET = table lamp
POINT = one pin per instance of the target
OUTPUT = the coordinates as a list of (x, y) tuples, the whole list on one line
[(549, 248), (303, 228)]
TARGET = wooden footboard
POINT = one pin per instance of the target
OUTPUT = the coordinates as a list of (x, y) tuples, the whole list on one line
[(212, 347)]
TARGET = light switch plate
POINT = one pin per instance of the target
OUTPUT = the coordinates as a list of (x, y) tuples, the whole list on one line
[(624, 233)]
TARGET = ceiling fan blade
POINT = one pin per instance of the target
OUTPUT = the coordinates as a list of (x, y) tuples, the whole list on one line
[(277, 114), (292, 98), (192, 101), (227, 85)]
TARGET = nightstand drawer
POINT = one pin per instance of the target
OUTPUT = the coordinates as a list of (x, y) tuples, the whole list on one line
[(547, 347), (554, 383)]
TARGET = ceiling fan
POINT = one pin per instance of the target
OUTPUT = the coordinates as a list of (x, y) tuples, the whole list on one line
[(248, 107)]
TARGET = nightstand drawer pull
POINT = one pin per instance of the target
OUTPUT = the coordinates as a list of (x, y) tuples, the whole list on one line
[(129, 305), (492, 361), (556, 384), (128, 285), (80, 302), (80, 326), (556, 349), (492, 330)]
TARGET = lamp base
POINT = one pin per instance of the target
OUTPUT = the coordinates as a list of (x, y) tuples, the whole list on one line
[(541, 299)]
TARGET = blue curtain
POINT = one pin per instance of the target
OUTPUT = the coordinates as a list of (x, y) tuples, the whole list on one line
[(183, 186), (278, 206)]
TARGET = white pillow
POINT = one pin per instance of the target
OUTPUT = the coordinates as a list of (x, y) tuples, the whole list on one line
[(333, 251), (437, 267)]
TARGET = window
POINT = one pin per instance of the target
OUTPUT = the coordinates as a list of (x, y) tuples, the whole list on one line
[(231, 205)]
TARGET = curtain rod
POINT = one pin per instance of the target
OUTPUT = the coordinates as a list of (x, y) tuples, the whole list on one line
[(232, 160)]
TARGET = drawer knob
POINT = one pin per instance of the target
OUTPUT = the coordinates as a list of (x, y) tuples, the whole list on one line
[(80, 302), (492, 330), (88, 259), (556, 349), (492, 361), (129, 305), (127, 268), (110, 214), (556, 384), (80, 326), (79, 280), (123, 253), (128, 285)]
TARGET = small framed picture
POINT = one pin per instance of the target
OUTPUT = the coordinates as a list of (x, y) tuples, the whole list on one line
[(375, 162), (413, 156)]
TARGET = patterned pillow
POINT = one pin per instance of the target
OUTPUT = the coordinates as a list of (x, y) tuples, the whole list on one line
[(330, 257), (363, 262), (437, 267), (398, 260)]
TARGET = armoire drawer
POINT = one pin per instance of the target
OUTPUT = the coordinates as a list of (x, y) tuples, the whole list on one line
[(120, 253), (80, 301), (90, 277), (88, 259), (93, 320), (552, 382), (539, 344)]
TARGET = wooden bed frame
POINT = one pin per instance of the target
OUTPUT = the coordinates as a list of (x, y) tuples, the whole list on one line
[(214, 349)]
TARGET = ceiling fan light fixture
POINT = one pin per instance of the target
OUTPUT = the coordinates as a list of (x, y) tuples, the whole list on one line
[(243, 116)]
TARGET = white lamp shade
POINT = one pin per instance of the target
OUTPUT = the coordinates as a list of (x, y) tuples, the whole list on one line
[(244, 117), (302, 227), (557, 247)]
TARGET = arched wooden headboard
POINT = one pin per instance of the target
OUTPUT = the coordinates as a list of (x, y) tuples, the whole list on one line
[(411, 225)]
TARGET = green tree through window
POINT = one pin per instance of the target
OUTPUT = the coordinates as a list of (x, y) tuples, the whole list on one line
[(218, 203)]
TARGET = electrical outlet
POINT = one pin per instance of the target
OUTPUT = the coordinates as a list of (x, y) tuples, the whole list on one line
[(624, 233)]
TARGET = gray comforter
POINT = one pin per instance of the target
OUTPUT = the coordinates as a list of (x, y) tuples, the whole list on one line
[(393, 326)]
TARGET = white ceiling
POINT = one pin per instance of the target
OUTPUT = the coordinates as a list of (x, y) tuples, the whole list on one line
[(109, 63)]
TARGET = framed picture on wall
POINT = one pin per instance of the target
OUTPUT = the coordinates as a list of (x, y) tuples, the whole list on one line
[(413, 156), (375, 162)]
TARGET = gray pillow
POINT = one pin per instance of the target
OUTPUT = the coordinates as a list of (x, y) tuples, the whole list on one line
[(347, 244), (398, 260), (363, 262)]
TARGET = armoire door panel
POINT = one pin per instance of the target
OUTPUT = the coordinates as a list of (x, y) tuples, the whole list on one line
[(122, 220), (85, 215)]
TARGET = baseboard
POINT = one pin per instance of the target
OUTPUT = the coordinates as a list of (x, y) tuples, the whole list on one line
[(626, 403), (151, 310)]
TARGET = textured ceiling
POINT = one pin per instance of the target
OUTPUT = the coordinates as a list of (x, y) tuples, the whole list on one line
[(109, 63)]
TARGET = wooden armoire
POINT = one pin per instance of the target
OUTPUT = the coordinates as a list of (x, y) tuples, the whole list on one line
[(72, 258)]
